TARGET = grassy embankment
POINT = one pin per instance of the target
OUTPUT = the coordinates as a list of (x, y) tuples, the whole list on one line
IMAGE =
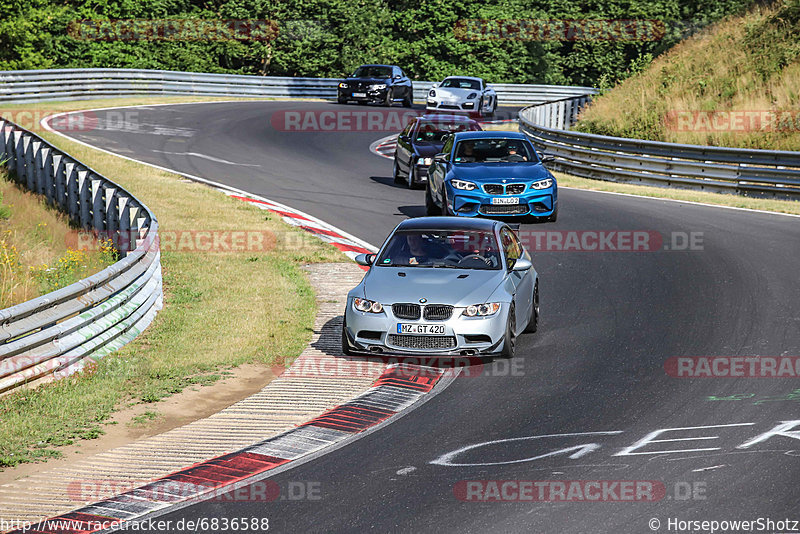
[(748, 64)]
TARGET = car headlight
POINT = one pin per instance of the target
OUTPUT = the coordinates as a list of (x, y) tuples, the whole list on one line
[(463, 185), (542, 184), (369, 306), (471, 96), (424, 161), (432, 93), (378, 86), (482, 310), (342, 85)]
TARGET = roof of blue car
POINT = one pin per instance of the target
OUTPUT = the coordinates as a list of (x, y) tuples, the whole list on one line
[(447, 223), (460, 136)]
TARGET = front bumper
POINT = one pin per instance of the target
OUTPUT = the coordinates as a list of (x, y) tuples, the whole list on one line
[(371, 333), (451, 105), (370, 95), (536, 203)]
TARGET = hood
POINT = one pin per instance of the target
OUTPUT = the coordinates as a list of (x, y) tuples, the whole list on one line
[(426, 149), (368, 80), (489, 172), (439, 286)]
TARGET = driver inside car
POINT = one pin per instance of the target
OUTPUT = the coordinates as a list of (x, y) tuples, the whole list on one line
[(514, 154), (466, 152)]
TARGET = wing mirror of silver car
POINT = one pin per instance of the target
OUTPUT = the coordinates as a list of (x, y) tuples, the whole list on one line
[(365, 259), (440, 157), (522, 264)]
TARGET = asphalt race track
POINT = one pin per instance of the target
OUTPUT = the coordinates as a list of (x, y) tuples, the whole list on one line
[(610, 322)]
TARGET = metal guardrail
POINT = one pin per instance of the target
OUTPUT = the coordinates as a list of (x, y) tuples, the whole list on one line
[(73, 84), (63, 331), (731, 170)]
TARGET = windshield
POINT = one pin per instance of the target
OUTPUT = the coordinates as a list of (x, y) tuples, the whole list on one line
[(461, 83), (455, 249), (433, 132), (494, 151), (371, 71)]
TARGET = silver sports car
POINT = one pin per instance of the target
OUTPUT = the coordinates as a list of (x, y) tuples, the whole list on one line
[(462, 93), (443, 286)]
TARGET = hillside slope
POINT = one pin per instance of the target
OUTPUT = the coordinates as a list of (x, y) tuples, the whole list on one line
[(735, 84)]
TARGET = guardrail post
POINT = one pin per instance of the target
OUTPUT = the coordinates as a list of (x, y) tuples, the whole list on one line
[(84, 199), (71, 173), (5, 132), (30, 173), (112, 215), (560, 115), (38, 182), (15, 150), (60, 179), (98, 207), (47, 175), (126, 239)]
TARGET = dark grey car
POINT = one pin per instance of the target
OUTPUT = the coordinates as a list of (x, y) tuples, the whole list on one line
[(377, 84)]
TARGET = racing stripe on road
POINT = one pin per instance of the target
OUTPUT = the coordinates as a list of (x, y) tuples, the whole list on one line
[(397, 388), (329, 234)]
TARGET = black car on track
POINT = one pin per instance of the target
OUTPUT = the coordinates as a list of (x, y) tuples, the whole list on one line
[(378, 84), (422, 139)]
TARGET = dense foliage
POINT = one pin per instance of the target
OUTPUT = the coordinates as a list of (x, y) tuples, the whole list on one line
[(331, 37)]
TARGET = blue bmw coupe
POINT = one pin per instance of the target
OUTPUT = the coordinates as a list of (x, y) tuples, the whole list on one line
[(495, 174)]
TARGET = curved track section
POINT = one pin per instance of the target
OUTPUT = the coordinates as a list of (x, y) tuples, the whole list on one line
[(589, 397)]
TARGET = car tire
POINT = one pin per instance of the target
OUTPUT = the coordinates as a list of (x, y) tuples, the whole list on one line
[(412, 182), (345, 344), (408, 101), (533, 321), (342, 100), (389, 98), (396, 172), (510, 340), (445, 210), (430, 206), (554, 216)]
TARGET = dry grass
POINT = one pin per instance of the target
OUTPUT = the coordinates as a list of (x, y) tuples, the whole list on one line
[(747, 63), (35, 257)]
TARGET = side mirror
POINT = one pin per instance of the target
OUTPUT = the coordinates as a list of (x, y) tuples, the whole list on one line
[(435, 85), (365, 259), (442, 158), (522, 264), (547, 159), (402, 138)]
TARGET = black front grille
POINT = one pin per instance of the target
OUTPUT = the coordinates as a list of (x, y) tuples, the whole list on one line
[(493, 189), (438, 312), (422, 342), (510, 209), (406, 311), (515, 189)]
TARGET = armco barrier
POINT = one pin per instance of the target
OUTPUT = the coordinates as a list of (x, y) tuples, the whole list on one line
[(61, 332), (731, 170), (74, 84)]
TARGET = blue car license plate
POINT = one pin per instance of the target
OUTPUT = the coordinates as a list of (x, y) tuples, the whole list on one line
[(424, 329), (505, 200)]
